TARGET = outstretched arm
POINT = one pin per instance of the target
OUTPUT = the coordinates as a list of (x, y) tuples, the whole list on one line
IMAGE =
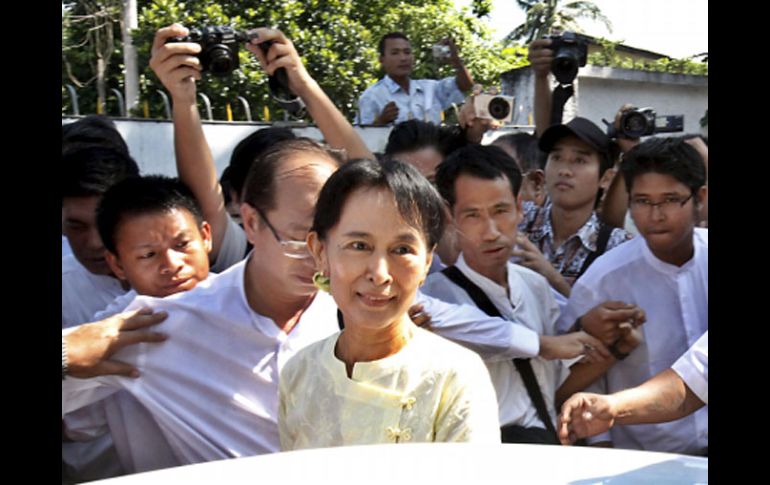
[(665, 397), (540, 58), (336, 129), (177, 67)]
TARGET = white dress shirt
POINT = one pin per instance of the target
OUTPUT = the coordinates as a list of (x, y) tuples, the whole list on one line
[(425, 101), (530, 301), (212, 387), (693, 368), (675, 301)]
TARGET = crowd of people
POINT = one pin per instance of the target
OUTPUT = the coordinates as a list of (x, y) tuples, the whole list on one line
[(548, 288)]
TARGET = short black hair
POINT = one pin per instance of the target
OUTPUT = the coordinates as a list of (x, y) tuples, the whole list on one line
[(390, 35), (251, 147), (667, 156), (91, 131), (138, 196), (482, 161), (91, 171), (259, 188), (417, 200), (530, 156), (412, 135)]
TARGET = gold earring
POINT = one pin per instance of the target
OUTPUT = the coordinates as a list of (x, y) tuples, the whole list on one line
[(322, 282)]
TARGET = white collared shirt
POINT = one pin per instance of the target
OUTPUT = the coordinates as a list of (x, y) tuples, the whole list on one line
[(693, 368), (425, 101), (675, 301), (529, 301)]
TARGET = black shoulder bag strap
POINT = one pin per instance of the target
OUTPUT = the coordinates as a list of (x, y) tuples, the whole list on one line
[(605, 231), (522, 365)]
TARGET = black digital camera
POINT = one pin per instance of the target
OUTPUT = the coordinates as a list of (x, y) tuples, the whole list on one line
[(219, 48), (639, 122), (219, 55), (570, 52)]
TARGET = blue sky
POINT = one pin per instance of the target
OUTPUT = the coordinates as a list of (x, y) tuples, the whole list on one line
[(678, 28)]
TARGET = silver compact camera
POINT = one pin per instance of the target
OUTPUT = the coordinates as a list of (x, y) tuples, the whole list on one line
[(441, 52), (493, 106)]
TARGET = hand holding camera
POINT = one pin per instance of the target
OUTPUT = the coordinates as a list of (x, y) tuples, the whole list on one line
[(179, 56), (632, 123), (445, 52), (177, 65)]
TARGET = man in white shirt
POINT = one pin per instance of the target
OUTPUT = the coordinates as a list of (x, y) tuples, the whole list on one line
[(481, 184), (88, 284), (665, 272), (396, 97)]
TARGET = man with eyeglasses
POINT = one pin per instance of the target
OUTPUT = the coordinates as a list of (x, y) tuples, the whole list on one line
[(665, 272)]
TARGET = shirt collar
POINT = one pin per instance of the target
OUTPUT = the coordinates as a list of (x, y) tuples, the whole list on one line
[(588, 232), (494, 291), (393, 86), (668, 268)]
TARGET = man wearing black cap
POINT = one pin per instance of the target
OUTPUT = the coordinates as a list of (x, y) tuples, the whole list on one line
[(566, 232)]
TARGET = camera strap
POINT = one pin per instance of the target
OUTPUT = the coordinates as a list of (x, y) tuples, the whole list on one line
[(559, 98)]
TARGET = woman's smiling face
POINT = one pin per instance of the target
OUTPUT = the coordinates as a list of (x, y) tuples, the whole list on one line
[(374, 258)]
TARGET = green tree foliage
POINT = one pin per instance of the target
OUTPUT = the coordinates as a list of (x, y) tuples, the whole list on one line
[(543, 16), (337, 40), (90, 34)]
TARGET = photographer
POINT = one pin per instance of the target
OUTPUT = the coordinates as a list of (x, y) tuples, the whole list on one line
[(396, 97), (178, 66)]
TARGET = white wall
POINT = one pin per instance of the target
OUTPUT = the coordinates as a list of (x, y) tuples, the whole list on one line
[(601, 91), (151, 143)]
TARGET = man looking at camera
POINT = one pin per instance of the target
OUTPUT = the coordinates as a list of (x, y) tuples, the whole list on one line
[(396, 97)]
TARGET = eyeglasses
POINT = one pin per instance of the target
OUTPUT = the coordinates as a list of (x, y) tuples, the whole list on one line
[(291, 249), (666, 205)]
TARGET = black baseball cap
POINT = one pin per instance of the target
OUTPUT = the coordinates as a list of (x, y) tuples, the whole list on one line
[(582, 128)]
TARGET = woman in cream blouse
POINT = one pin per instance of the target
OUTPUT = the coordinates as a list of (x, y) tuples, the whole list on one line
[(381, 379)]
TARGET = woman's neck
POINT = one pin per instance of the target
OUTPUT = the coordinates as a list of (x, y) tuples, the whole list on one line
[(360, 344)]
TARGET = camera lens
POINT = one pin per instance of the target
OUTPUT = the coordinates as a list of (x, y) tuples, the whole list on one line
[(499, 108), (634, 125), (220, 60), (564, 67)]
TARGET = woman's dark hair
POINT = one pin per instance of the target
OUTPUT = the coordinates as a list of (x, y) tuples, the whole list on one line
[(137, 196), (417, 201), (482, 161), (667, 156), (259, 188)]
